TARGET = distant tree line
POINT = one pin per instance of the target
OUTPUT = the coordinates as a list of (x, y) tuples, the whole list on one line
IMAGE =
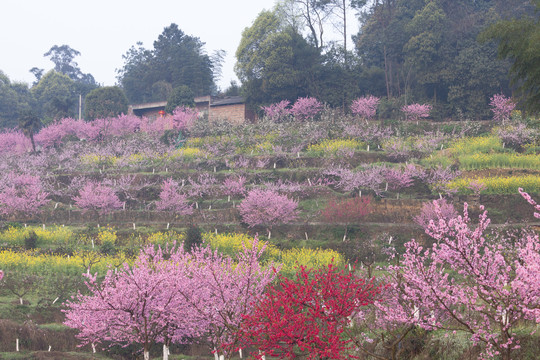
[(439, 52), (452, 54)]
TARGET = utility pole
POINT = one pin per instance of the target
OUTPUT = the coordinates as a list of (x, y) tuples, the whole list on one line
[(80, 106)]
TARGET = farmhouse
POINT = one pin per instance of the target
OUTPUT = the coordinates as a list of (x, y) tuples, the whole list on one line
[(230, 108)]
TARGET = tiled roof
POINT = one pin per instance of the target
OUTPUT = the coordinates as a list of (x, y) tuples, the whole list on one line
[(228, 101)]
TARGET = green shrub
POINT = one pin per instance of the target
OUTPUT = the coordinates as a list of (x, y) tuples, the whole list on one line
[(30, 240), (107, 247), (193, 238)]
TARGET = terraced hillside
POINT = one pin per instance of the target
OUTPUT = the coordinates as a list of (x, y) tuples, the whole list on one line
[(96, 192)]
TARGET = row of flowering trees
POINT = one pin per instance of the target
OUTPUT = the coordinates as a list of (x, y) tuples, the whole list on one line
[(366, 108), (171, 296), (51, 135), (472, 281), (184, 118)]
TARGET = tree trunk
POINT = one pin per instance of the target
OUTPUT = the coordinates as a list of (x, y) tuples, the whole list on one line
[(165, 352), (146, 354), (33, 142), (345, 34), (386, 70)]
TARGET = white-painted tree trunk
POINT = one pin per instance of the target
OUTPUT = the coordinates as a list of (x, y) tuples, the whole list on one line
[(165, 352), (240, 353), (17, 344), (216, 356), (93, 348), (146, 354)]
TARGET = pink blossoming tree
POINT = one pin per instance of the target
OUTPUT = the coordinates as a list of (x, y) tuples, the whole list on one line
[(137, 305), (184, 118), (277, 112), (365, 107), (502, 107), (416, 111), (432, 211), (266, 207), (467, 283), (171, 296), (306, 108), (21, 195), (234, 186), (97, 197), (14, 142), (229, 288), (172, 200)]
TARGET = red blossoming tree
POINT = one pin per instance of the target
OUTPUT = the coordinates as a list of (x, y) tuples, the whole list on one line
[(348, 212), (308, 315)]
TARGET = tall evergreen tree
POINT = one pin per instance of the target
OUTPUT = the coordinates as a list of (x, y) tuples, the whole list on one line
[(176, 59)]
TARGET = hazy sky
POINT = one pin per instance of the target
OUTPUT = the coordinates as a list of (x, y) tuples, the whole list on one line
[(102, 31)]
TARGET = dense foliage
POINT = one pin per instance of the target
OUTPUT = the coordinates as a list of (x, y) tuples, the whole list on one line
[(104, 102), (176, 59)]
